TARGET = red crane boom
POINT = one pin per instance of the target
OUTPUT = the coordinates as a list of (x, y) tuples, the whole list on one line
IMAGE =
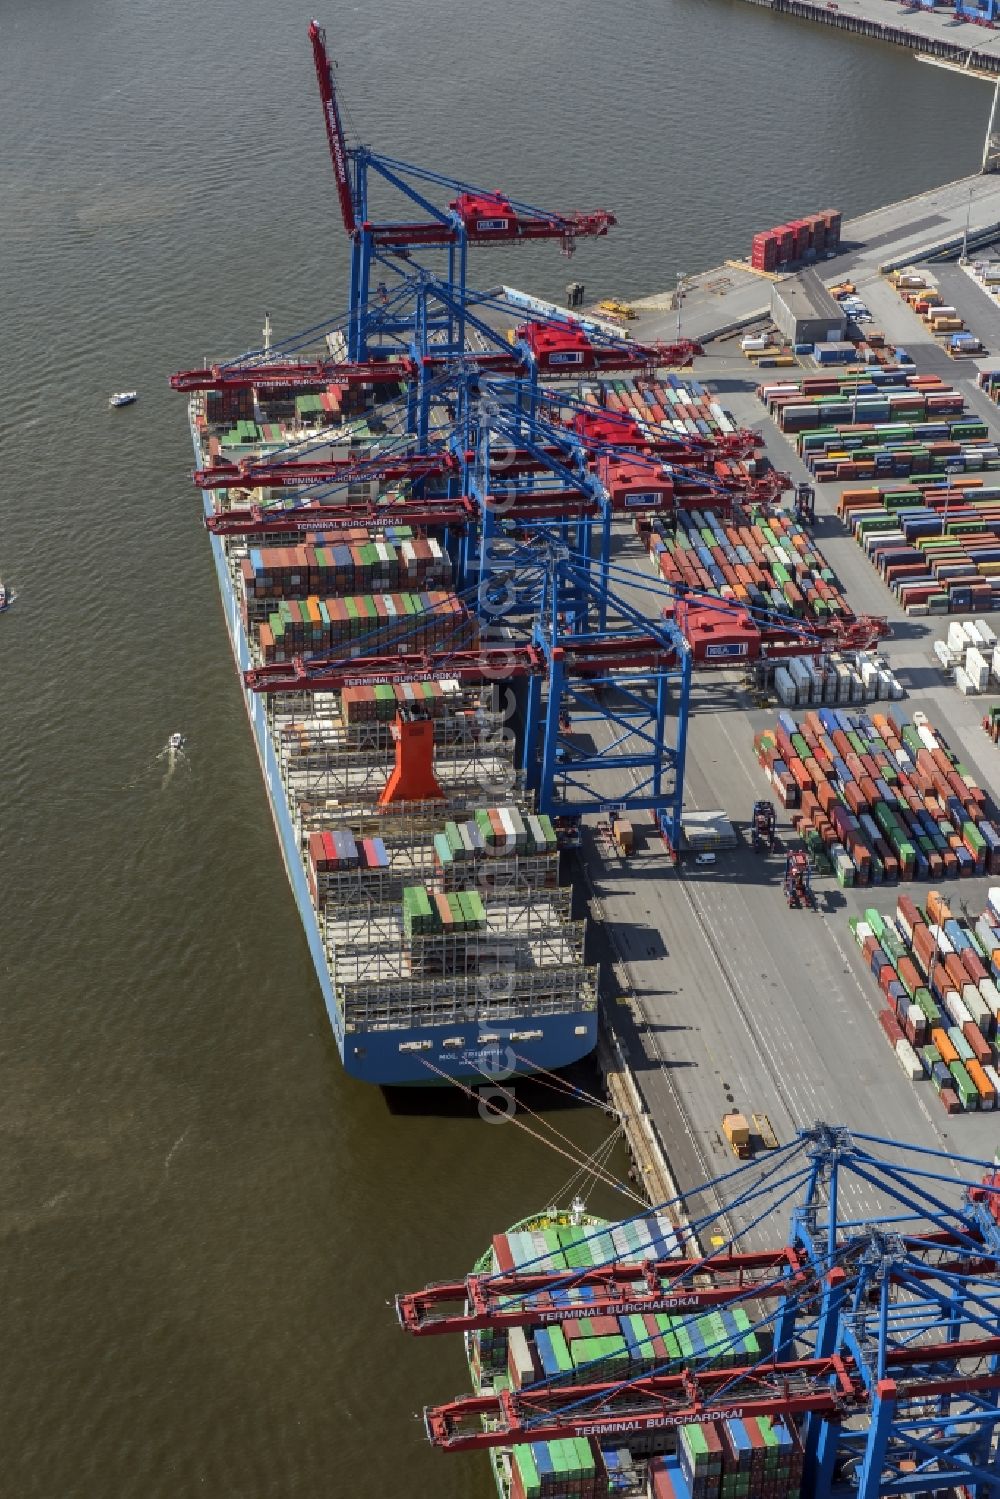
[(831, 1386), (498, 1300), (257, 521), (334, 126), (292, 374), (249, 474), (331, 673)]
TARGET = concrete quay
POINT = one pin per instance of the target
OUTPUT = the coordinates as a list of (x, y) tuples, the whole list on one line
[(940, 31), (728, 298), (717, 996)]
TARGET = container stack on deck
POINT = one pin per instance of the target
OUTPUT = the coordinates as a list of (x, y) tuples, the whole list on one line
[(887, 798), (751, 1459), (938, 977), (716, 1459), (938, 549), (880, 424)]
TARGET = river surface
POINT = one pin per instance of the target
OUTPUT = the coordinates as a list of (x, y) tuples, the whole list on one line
[(201, 1219)]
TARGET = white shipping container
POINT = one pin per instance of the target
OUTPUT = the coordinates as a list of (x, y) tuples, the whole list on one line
[(909, 1061), (993, 901), (977, 668), (972, 631), (941, 938), (994, 1078), (991, 993), (964, 682), (784, 687), (957, 1009), (976, 1005), (944, 655), (927, 738), (987, 634), (508, 824), (862, 932), (984, 933), (958, 641)]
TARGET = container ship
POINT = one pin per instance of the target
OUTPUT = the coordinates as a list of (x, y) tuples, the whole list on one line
[(752, 1458), (429, 890)]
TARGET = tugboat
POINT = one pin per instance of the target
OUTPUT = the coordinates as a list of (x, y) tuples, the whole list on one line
[(6, 597), (123, 398)]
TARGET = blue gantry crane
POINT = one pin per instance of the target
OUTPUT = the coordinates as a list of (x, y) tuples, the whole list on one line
[(475, 216), (879, 1320), (480, 438)]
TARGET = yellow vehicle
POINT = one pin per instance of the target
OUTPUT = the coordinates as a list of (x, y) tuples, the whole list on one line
[(737, 1132), (617, 308), (624, 836)]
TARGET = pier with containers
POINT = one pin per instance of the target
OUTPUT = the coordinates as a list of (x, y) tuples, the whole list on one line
[(512, 590)]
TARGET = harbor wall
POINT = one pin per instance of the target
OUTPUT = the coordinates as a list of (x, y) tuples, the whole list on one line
[(861, 24)]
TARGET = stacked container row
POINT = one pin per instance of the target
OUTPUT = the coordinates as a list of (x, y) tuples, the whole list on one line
[(498, 830), (373, 623), (568, 1469), (747, 1459), (357, 563), (887, 798), (552, 1248), (800, 239), (971, 653), (938, 548), (768, 562), (938, 976), (382, 702)]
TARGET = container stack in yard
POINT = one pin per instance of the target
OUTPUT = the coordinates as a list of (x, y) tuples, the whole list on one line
[(880, 425), (767, 561), (888, 799), (797, 241), (938, 977), (937, 548), (919, 290), (970, 654)]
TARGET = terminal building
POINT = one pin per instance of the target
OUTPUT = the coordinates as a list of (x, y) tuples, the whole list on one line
[(805, 312)]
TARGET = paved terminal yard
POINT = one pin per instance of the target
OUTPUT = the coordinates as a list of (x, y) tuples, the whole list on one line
[(722, 997), (728, 297)]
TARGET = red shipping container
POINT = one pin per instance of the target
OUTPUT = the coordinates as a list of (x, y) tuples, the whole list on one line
[(891, 1026), (980, 1046)]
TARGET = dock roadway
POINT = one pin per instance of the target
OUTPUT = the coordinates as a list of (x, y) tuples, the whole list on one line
[(728, 297), (722, 997)]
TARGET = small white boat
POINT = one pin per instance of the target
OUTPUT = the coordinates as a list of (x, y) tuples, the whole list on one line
[(6, 597), (175, 743), (123, 398)]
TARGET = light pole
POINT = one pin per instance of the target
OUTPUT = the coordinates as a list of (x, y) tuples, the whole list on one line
[(965, 237), (677, 300)]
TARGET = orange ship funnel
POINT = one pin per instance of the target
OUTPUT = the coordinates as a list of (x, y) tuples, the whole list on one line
[(413, 778)]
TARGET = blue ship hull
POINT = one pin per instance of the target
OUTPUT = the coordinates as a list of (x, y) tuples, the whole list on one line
[(393, 1058)]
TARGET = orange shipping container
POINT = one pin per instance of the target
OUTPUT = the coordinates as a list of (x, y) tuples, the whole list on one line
[(984, 1087), (944, 1045), (937, 908)]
